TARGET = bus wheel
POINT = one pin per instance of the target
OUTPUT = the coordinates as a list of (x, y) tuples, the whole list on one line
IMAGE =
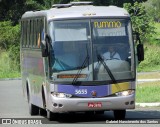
[(119, 114), (42, 112), (33, 110), (51, 116)]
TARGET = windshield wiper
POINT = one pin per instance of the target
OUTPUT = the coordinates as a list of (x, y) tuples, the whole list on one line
[(83, 66), (79, 71), (106, 67), (108, 70)]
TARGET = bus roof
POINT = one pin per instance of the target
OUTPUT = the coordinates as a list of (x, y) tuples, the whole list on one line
[(85, 11)]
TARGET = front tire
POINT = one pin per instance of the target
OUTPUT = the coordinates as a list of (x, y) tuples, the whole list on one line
[(119, 114), (51, 116), (42, 112), (33, 110)]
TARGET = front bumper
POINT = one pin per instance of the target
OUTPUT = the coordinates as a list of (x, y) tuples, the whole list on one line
[(81, 104)]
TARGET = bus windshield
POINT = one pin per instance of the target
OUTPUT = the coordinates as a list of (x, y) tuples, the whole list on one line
[(94, 47), (71, 45)]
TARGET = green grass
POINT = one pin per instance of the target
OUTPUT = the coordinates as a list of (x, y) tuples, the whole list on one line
[(157, 26), (155, 39), (7, 67), (152, 52), (151, 58), (151, 75), (148, 92), (149, 68)]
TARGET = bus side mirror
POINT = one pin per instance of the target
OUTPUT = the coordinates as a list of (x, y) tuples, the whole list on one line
[(44, 47), (140, 49), (140, 52)]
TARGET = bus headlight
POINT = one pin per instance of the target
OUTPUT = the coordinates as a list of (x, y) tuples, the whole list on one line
[(61, 95), (125, 93)]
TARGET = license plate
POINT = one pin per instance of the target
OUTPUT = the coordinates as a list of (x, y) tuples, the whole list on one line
[(94, 104)]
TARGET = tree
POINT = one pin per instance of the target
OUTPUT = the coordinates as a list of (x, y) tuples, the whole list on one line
[(118, 3), (9, 34), (153, 9), (9, 40), (11, 10), (100, 2), (141, 22), (31, 5)]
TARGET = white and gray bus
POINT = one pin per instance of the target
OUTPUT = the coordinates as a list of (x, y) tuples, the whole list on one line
[(64, 68)]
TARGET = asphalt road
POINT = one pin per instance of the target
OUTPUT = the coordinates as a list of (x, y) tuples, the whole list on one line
[(13, 105)]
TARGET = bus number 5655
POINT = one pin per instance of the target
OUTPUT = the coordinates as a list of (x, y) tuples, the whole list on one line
[(81, 91)]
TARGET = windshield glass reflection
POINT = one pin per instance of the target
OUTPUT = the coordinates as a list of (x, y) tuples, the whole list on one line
[(102, 50)]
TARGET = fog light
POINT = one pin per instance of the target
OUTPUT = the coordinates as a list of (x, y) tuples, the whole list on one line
[(55, 104), (132, 102), (126, 103), (60, 105)]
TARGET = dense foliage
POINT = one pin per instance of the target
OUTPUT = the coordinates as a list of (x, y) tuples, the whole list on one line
[(9, 35), (9, 41), (13, 9), (152, 58), (153, 9), (141, 22)]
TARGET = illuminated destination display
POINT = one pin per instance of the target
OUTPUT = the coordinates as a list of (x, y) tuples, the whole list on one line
[(72, 76), (108, 24)]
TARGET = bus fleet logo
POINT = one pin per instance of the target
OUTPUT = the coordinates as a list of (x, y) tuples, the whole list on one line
[(94, 93)]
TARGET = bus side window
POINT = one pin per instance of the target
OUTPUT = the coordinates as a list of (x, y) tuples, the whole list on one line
[(36, 45), (22, 33), (31, 34), (39, 29), (28, 33), (34, 34), (38, 32), (24, 39)]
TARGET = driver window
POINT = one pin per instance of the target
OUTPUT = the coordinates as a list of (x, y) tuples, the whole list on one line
[(111, 53)]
